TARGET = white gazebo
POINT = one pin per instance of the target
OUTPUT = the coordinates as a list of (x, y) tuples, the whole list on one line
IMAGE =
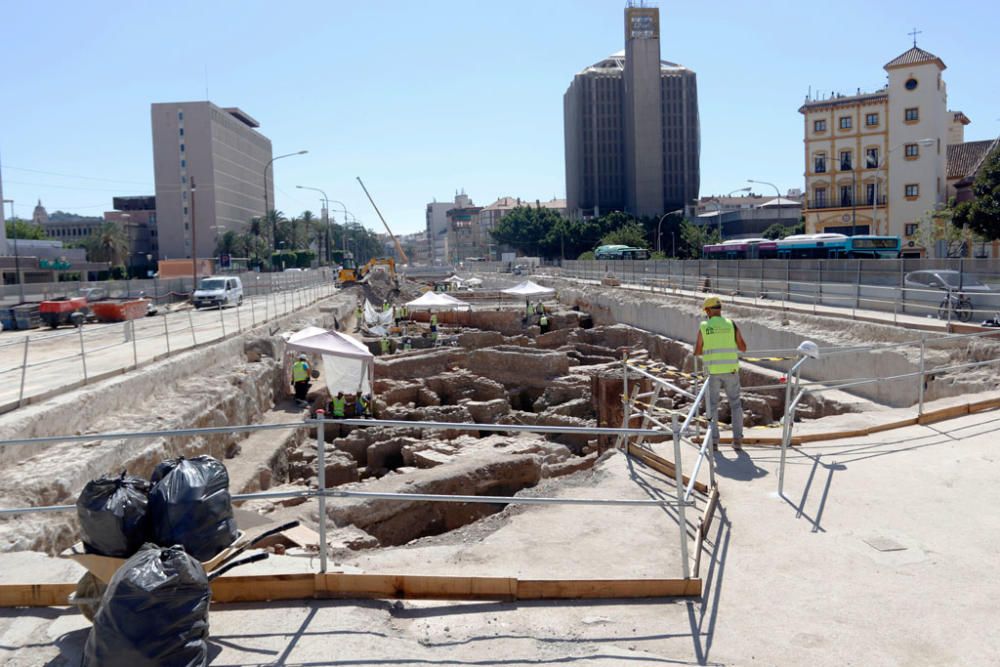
[(436, 301), (348, 366), (528, 289)]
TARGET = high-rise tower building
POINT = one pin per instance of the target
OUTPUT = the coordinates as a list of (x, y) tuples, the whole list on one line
[(631, 128), (223, 154)]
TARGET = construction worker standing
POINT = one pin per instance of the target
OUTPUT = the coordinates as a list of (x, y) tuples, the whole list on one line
[(338, 406), (434, 322), (300, 378), (384, 344), (719, 344), (359, 316), (543, 323)]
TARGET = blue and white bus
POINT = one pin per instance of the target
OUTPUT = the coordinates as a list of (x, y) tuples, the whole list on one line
[(620, 252), (838, 246)]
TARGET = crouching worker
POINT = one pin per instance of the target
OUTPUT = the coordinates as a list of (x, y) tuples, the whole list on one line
[(719, 344), (300, 378)]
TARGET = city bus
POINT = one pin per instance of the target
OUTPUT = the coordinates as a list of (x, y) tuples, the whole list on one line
[(620, 252)]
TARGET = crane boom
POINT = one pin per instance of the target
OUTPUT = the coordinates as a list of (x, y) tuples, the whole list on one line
[(399, 248)]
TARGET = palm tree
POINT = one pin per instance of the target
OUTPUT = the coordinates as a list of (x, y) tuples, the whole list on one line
[(106, 244)]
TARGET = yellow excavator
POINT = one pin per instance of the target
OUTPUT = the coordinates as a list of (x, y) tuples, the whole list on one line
[(350, 273)]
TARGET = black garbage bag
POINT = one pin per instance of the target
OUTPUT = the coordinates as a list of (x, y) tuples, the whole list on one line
[(189, 505), (113, 516), (154, 613)]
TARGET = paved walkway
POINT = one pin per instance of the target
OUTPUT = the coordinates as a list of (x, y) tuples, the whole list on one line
[(882, 551)]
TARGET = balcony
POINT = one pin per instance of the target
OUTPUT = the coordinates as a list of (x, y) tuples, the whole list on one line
[(862, 202)]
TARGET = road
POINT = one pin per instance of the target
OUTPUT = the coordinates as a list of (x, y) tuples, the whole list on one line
[(54, 359)]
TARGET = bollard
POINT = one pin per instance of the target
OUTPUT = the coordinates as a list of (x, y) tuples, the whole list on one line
[(135, 350), (166, 332), (24, 371), (194, 339), (83, 355), (222, 320), (253, 315), (239, 322), (321, 481)]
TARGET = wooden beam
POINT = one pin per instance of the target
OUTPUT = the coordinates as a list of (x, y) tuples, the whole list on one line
[(709, 513), (662, 465), (35, 595), (699, 540), (575, 589), (410, 586)]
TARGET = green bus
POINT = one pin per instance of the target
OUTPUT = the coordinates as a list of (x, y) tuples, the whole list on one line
[(620, 252)]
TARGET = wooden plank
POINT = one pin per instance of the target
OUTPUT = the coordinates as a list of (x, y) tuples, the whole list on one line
[(943, 413), (892, 425), (35, 595), (987, 404), (709, 513), (662, 465), (260, 588), (410, 586), (572, 589), (699, 540)]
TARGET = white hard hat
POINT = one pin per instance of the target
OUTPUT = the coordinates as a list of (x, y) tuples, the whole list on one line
[(807, 348), (303, 356)]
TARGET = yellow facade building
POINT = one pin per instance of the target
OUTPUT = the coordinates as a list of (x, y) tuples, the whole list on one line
[(876, 163)]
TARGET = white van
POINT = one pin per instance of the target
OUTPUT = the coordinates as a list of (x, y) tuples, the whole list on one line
[(218, 292)]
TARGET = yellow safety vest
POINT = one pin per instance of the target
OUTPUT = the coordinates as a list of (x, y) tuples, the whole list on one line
[(718, 345), (543, 321), (300, 371), (385, 344), (434, 320), (339, 406)]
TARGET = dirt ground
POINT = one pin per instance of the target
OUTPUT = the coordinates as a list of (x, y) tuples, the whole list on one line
[(881, 552)]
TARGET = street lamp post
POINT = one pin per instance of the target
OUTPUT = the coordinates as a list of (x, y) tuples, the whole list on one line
[(680, 210), (274, 224), (776, 192), (326, 216), (17, 260)]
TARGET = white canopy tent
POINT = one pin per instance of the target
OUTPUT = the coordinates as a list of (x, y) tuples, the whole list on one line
[(348, 366), (436, 301), (529, 289)]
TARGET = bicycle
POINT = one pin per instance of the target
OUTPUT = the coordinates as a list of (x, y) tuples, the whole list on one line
[(959, 306)]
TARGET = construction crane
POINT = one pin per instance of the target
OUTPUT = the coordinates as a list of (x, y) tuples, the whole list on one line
[(399, 248)]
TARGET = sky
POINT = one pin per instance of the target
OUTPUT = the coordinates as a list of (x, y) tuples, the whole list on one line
[(423, 99)]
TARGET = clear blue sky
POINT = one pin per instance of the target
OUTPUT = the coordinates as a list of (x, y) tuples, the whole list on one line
[(423, 98)]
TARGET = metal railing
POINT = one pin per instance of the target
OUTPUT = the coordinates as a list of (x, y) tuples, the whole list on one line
[(34, 364), (323, 494)]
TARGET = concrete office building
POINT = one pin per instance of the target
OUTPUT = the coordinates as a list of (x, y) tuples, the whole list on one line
[(437, 231), (631, 128), (219, 150)]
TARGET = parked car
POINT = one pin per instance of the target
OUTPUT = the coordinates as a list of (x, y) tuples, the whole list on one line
[(944, 279), (218, 292)]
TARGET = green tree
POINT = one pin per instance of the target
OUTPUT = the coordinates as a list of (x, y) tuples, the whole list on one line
[(532, 231), (982, 214), (107, 243), (780, 231), (24, 229), (631, 234), (694, 237)]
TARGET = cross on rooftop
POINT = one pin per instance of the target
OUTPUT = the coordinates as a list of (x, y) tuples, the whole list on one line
[(914, 34)]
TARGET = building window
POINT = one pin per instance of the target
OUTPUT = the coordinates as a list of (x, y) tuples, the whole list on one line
[(911, 115), (845, 122), (182, 148), (870, 193), (845, 195), (910, 228), (180, 115), (912, 190), (911, 84), (845, 160), (871, 158), (819, 163), (819, 126), (819, 197), (871, 120), (182, 131), (912, 150), (184, 164)]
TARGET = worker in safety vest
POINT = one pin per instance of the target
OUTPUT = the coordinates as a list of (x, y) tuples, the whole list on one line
[(384, 344), (359, 405), (338, 406), (300, 378), (434, 322), (719, 344), (543, 323)]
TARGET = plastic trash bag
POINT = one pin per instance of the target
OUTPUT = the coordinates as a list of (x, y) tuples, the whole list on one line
[(153, 614), (113, 515), (189, 505)]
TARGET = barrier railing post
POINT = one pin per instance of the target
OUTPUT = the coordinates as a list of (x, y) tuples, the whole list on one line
[(83, 354), (222, 320), (24, 371), (194, 339), (920, 378), (253, 314), (166, 332), (239, 321), (321, 481), (135, 348), (679, 479)]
